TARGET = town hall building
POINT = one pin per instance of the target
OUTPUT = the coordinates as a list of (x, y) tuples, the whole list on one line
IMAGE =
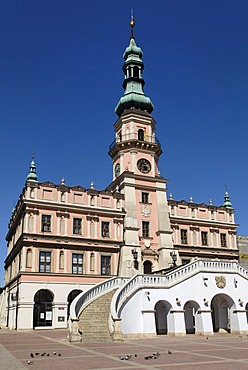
[(171, 265)]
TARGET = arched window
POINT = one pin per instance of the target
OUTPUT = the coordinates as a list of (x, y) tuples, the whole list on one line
[(141, 134), (61, 260), (92, 261), (73, 294), (29, 258)]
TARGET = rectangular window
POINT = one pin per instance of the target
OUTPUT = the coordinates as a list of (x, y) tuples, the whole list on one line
[(105, 229), (46, 223), (184, 238), (145, 229), (223, 240), (77, 226), (77, 263), (204, 238), (105, 265), (185, 261), (45, 262), (144, 197)]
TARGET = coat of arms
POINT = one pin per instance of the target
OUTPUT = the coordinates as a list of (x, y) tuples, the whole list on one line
[(220, 281), (146, 210)]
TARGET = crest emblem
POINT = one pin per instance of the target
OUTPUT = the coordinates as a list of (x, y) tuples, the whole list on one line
[(220, 281), (146, 210)]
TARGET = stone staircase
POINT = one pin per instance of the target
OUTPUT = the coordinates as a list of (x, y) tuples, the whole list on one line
[(93, 320)]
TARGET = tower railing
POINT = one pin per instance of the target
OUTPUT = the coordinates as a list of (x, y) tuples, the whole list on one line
[(135, 137)]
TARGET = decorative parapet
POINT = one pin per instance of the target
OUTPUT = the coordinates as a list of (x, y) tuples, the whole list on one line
[(171, 279)]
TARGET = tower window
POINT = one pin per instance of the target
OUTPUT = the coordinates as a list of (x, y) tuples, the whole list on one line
[(204, 238), (77, 263), (136, 72), (145, 197), (105, 265), (46, 223), (141, 134), (184, 238), (77, 226), (223, 240), (145, 229), (45, 262), (105, 229)]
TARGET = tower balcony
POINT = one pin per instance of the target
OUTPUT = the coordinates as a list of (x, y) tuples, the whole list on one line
[(135, 140)]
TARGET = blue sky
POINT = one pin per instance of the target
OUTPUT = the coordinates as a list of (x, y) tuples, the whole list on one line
[(61, 76)]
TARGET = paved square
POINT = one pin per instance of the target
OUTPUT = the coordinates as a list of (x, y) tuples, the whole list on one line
[(221, 351)]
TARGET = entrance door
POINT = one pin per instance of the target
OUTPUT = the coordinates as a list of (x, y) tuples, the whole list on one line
[(43, 306)]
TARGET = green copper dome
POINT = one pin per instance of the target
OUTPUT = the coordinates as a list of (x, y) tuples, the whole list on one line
[(227, 203), (133, 84), (32, 172)]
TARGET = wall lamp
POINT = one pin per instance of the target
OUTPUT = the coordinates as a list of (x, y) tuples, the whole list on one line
[(174, 258), (205, 301), (135, 258), (178, 302)]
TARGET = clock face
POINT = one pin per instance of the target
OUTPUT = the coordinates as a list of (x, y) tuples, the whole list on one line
[(117, 169), (144, 165)]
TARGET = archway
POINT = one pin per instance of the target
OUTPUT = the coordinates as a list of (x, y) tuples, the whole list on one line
[(162, 309), (73, 294), (147, 267), (43, 307), (222, 307), (190, 309)]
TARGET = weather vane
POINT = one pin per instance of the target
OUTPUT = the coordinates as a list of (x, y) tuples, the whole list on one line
[(132, 23)]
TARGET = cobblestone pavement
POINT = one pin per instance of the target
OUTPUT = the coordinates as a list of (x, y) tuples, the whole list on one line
[(221, 351)]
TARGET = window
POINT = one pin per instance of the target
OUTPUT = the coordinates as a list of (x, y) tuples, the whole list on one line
[(184, 239), (29, 258), (105, 229), (77, 226), (223, 240), (204, 238), (141, 134), (144, 197), (45, 262), (77, 263), (105, 265), (46, 223), (145, 229), (185, 261)]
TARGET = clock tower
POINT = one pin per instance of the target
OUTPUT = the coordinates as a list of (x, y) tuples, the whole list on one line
[(135, 153)]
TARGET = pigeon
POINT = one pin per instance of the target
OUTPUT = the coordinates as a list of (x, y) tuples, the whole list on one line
[(122, 358), (37, 353), (80, 332), (148, 357), (55, 353), (128, 357), (59, 354), (43, 354), (30, 362), (48, 354), (156, 354), (135, 355), (31, 355), (169, 352), (207, 338)]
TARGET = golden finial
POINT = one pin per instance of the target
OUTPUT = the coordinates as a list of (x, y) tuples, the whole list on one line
[(132, 22)]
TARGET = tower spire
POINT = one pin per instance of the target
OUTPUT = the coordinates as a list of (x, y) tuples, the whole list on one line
[(227, 203), (133, 84), (32, 171)]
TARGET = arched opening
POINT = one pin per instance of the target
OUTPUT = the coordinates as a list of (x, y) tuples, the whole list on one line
[(190, 310), (162, 309), (147, 267), (73, 294), (141, 134), (222, 307), (136, 72), (43, 307)]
